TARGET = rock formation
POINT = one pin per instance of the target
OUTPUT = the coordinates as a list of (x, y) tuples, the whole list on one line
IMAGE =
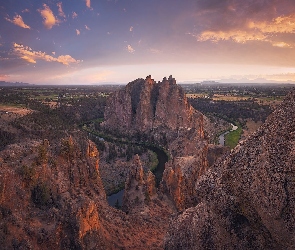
[(156, 112), (160, 113), (51, 197), (140, 188), (50, 202), (180, 176), (247, 200)]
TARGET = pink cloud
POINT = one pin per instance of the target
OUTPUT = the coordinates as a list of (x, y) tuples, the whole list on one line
[(18, 20), (49, 19), (88, 4), (130, 49), (74, 15), (31, 56), (60, 11)]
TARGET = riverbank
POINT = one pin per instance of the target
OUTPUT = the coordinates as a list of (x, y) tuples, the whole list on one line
[(231, 137), (157, 166)]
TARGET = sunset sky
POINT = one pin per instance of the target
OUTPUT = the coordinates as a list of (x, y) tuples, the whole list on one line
[(99, 41)]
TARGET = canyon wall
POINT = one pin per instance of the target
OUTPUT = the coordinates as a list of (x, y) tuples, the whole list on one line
[(51, 197), (159, 113), (247, 200)]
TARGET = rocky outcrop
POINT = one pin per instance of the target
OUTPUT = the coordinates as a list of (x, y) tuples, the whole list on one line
[(247, 200), (160, 113), (56, 201), (50, 203), (180, 176), (140, 188), (155, 112)]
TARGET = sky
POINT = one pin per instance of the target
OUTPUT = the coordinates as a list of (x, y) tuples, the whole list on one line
[(117, 41)]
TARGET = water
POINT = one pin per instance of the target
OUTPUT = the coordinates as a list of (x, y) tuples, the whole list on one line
[(222, 136), (117, 198)]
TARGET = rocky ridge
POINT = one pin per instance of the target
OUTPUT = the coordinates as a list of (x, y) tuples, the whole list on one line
[(246, 200), (160, 113), (140, 188), (157, 112), (56, 201)]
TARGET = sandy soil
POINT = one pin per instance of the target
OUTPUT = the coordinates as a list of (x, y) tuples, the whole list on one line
[(14, 110)]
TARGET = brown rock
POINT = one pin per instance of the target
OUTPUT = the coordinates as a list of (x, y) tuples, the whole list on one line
[(160, 113), (156, 112), (60, 203), (140, 188), (247, 201)]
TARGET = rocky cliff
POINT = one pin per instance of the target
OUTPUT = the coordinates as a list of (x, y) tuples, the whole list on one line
[(247, 200), (157, 112), (54, 197), (51, 197), (140, 189), (180, 176)]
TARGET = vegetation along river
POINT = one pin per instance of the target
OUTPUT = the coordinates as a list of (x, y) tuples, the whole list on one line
[(222, 136), (117, 198)]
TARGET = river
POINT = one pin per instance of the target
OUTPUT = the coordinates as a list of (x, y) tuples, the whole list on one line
[(117, 198), (222, 136)]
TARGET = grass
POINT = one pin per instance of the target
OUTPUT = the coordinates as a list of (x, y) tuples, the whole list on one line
[(232, 138), (153, 160), (12, 105)]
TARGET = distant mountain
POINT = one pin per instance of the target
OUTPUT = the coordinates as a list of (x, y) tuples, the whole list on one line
[(238, 81), (14, 84), (255, 81)]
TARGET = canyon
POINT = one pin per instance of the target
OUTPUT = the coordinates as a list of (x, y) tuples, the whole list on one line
[(52, 194)]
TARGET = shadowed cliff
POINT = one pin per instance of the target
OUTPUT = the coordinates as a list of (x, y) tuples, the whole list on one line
[(247, 200)]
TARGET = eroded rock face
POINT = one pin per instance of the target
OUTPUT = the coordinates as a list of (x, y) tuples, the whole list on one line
[(140, 188), (50, 202), (160, 113), (180, 177), (156, 112), (52, 197), (247, 200)]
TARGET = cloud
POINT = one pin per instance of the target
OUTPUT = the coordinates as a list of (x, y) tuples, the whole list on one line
[(49, 19), (18, 20), (242, 22), (270, 31), (4, 77), (74, 15), (60, 11), (282, 45), (78, 32), (88, 4), (131, 29), (237, 36), (155, 51), (86, 27), (281, 24), (31, 56), (130, 49)]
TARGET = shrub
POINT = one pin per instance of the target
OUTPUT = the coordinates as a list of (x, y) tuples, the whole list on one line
[(41, 195), (28, 173)]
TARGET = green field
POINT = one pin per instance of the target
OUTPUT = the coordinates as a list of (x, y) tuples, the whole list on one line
[(232, 138)]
